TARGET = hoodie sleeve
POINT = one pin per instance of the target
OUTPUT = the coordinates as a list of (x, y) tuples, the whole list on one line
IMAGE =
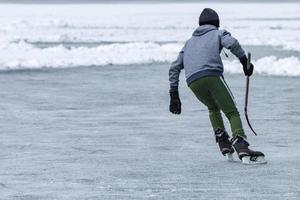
[(231, 43), (175, 70)]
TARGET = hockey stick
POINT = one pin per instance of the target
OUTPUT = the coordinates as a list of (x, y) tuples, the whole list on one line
[(247, 94)]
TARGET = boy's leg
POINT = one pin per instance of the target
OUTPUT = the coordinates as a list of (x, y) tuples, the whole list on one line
[(201, 91), (225, 101)]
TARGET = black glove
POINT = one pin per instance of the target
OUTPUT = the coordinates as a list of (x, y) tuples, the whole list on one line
[(247, 72), (175, 104)]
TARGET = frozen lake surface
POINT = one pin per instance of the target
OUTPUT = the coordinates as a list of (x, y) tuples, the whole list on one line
[(106, 133)]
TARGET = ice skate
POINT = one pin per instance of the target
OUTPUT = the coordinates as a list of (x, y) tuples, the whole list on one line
[(246, 155), (225, 145)]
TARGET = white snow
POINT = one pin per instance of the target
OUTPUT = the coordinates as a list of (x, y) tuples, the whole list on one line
[(137, 33), (24, 55)]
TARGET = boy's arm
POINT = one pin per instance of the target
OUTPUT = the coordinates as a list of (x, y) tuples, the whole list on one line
[(175, 70), (234, 46)]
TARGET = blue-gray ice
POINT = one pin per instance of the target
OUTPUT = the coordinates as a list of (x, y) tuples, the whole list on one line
[(106, 133)]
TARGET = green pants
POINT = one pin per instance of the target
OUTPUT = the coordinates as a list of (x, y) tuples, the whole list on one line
[(215, 94)]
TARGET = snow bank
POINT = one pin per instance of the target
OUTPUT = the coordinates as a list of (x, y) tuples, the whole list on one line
[(269, 65), (23, 55), (26, 56)]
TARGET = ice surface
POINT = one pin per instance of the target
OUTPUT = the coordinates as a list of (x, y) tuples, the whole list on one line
[(106, 133)]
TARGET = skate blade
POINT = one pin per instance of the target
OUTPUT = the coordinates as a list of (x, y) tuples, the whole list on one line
[(229, 157), (257, 160)]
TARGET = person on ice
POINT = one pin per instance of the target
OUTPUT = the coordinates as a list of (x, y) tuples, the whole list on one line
[(201, 60)]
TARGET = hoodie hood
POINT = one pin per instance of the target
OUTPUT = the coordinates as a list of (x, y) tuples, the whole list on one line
[(201, 30), (209, 16)]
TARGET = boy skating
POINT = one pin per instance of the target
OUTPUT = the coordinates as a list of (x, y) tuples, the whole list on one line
[(200, 57)]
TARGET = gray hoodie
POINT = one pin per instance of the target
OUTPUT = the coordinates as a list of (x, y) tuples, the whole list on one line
[(200, 56)]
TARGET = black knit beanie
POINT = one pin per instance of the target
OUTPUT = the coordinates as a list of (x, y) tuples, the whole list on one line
[(209, 16)]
